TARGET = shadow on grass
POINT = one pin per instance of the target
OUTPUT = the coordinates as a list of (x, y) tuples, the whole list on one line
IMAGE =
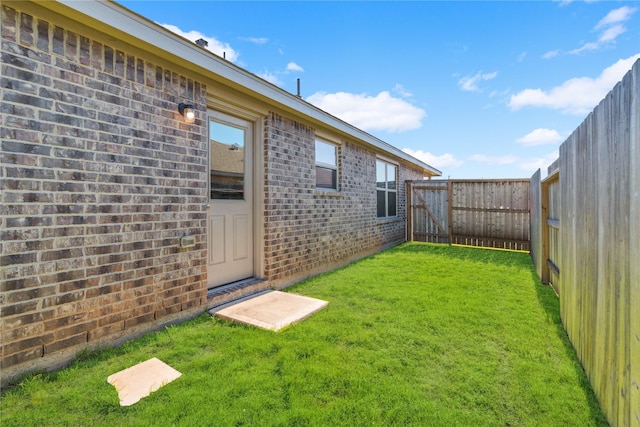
[(550, 302), (547, 299), (468, 253)]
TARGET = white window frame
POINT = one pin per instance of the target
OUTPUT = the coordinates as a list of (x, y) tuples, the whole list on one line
[(386, 190), (323, 165)]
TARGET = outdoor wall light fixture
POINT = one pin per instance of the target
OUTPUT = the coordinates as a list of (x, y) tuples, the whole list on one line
[(188, 111)]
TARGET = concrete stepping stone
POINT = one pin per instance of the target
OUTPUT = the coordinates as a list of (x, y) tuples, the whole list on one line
[(141, 380), (272, 310)]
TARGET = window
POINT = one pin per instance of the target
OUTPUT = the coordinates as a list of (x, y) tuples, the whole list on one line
[(386, 189), (226, 152), (326, 165)]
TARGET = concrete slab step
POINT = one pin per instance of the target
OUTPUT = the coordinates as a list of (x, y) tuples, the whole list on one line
[(272, 310)]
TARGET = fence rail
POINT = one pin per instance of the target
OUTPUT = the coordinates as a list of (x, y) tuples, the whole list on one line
[(489, 213)]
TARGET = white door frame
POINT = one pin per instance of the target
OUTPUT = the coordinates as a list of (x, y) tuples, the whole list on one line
[(257, 184)]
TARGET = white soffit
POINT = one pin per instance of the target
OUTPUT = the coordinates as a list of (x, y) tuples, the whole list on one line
[(126, 21)]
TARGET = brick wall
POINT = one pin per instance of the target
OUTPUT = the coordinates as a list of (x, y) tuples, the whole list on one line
[(309, 230), (100, 177)]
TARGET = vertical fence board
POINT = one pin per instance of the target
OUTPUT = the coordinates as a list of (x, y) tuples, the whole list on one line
[(623, 239), (634, 249)]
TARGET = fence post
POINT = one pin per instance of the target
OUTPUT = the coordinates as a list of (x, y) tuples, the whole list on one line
[(544, 227), (409, 208), (450, 210)]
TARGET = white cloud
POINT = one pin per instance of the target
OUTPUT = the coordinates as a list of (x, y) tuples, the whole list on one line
[(568, 2), (292, 66), (617, 15), (382, 112), (610, 26), (446, 160), (219, 48), (575, 96), (500, 93), (586, 47), (494, 160), (611, 33), (522, 56), (532, 164), (470, 83), (400, 90), (270, 77), (256, 40), (540, 136), (551, 54)]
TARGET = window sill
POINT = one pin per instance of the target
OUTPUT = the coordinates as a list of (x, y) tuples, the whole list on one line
[(389, 219), (327, 192)]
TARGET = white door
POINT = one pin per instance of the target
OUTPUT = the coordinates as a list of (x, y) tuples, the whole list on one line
[(230, 211)]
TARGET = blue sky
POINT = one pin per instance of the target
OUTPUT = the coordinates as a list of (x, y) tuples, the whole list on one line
[(477, 89)]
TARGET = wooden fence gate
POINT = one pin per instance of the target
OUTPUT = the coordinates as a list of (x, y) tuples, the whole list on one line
[(429, 214), (489, 213), (550, 205)]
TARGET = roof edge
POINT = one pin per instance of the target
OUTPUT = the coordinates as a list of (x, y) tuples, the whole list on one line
[(139, 27)]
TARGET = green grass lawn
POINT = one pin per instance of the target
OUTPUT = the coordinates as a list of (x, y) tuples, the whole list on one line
[(424, 335)]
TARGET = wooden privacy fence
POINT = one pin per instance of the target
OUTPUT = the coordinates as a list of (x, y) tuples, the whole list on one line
[(489, 213), (586, 243)]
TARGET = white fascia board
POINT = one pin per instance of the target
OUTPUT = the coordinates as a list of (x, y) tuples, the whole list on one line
[(122, 19)]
